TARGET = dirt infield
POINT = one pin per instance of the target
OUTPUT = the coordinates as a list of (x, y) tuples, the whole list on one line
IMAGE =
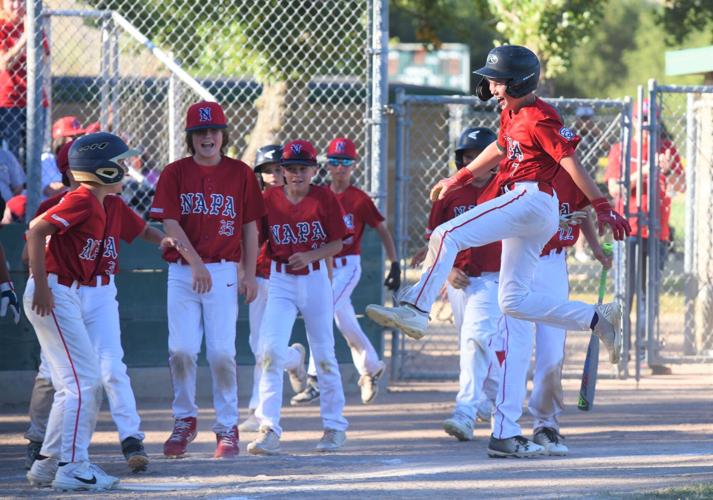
[(637, 440)]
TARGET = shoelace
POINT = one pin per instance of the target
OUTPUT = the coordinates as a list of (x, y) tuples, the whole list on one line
[(329, 435), (551, 435), (228, 438), (522, 441), (181, 429)]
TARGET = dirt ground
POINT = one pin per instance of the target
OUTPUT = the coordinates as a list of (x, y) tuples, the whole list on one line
[(636, 440)]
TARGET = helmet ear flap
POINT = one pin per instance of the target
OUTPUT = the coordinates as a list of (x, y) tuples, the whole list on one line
[(482, 90)]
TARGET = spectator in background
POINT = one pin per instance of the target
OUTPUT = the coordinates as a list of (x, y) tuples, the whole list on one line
[(12, 177), (13, 76), (64, 130)]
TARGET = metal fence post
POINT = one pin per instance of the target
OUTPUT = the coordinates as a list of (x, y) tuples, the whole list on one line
[(623, 289), (379, 100), (399, 225), (104, 74), (34, 110), (640, 267), (691, 283), (654, 230)]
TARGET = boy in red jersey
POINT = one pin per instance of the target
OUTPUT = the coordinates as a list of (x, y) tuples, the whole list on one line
[(84, 230), (304, 226), (359, 211), (532, 146), (209, 203)]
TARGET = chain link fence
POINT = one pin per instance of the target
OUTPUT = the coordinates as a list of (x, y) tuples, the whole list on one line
[(677, 260), (427, 128), (281, 69)]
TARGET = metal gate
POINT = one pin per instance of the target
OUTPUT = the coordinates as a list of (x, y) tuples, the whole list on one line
[(427, 128), (678, 261)]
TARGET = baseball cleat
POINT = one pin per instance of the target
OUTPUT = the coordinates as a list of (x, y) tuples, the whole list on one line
[(250, 424), (484, 411), (516, 446), (184, 431), (42, 472), (33, 449), (551, 440), (370, 384), (309, 395), (298, 376), (608, 329), (268, 443), (406, 318), (227, 444), (331, 440), (460, 426), (83, 476), (134, 453)]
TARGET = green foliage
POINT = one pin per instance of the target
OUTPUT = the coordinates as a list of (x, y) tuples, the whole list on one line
[(680, 18)]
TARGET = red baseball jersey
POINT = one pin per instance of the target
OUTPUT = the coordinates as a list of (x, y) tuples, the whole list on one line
[(571, 199), (86, 229), (473, 261), (291, 228), (262, 268), (358, 211), (614, 171), (534, 141), (49, 203), (210, 203)]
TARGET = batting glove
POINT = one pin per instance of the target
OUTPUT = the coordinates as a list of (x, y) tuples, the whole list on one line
[(607, 216), (393, 280), (9, 299), (462, 178)]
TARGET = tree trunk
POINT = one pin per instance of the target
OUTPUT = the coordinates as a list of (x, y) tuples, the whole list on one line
[(271, 114)]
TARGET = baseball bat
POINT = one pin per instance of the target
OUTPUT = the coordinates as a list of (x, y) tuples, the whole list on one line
[(591, 362)]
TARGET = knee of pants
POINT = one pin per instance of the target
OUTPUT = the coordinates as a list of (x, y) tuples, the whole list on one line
[(112, 369), (510, 302), (223, 368), (181, 363), (273, 358)]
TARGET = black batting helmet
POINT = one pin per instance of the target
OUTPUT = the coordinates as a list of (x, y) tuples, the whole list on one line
[(96, 158), (267, 154), (517, 66), (475, 138)]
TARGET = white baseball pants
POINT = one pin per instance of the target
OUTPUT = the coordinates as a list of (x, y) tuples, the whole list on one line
[(524, 218), (345, 277), (476, 314), (311, 295), (75, 371), (190, 316)]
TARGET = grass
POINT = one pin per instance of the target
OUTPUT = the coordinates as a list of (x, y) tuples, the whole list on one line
[(698, 491)]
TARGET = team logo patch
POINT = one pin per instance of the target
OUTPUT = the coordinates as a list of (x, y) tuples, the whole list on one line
[(341, 147), (492, 59), (567, 133), (296, 148), (204, 114)]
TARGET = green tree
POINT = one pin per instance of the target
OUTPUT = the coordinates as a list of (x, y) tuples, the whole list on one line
[(680, 18)]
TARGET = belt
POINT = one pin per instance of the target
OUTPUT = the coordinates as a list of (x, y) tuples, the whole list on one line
[(340, 261), (181, 261), (282, 267), (100, 280), (542, 186)]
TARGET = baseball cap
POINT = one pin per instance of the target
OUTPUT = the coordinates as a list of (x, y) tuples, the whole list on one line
[(299, 152), (205, 114), (63, 157), (92, 127), (342, 147), (67, 126)]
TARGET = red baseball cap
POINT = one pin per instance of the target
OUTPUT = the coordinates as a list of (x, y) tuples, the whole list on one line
[(205, 114), (299, 152), (63, 157), (342, 147), (92, 128), (67, 126)]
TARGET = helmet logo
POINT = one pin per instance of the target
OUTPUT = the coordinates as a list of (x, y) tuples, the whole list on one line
[(269, 155), (474, 135), (204, 114), (95, 146), (492, 59), (296, 148)]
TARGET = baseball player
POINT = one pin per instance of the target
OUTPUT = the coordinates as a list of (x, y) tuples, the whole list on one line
[(267, 168), (532, 146), (101, 315), (84, 232), (473, 294), (209, 203), (304, 226), (546, 402), (359, 211)]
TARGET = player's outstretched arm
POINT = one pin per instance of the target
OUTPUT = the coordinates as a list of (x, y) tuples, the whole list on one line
[(202, 281), (42, 300), (487, 159), (591, 236), (248, 283), (606, 215), (393, 280)]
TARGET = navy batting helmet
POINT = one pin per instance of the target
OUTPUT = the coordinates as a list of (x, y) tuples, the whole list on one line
[(267, 154), (517, 66), (475, 138), (97, 157)]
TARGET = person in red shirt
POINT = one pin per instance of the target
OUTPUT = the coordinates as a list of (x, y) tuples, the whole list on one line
[(84, 231), (304, 226), (532, 146), (269, 173), (210, 203), (360, 211)]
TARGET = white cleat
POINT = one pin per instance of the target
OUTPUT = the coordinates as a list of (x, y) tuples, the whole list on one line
[(516, 446), (42, 472), (250, 424), (369, 384), (268, 443), (406, 318), (551, 440), (331, 440), (608, 329), (460, 426), (298, 376), (83, 476)]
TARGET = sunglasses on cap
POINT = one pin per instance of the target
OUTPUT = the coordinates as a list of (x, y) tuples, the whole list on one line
[(344, 162)]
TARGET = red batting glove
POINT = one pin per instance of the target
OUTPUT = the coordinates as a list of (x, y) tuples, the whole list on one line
[(607, 216), (462, 178)]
